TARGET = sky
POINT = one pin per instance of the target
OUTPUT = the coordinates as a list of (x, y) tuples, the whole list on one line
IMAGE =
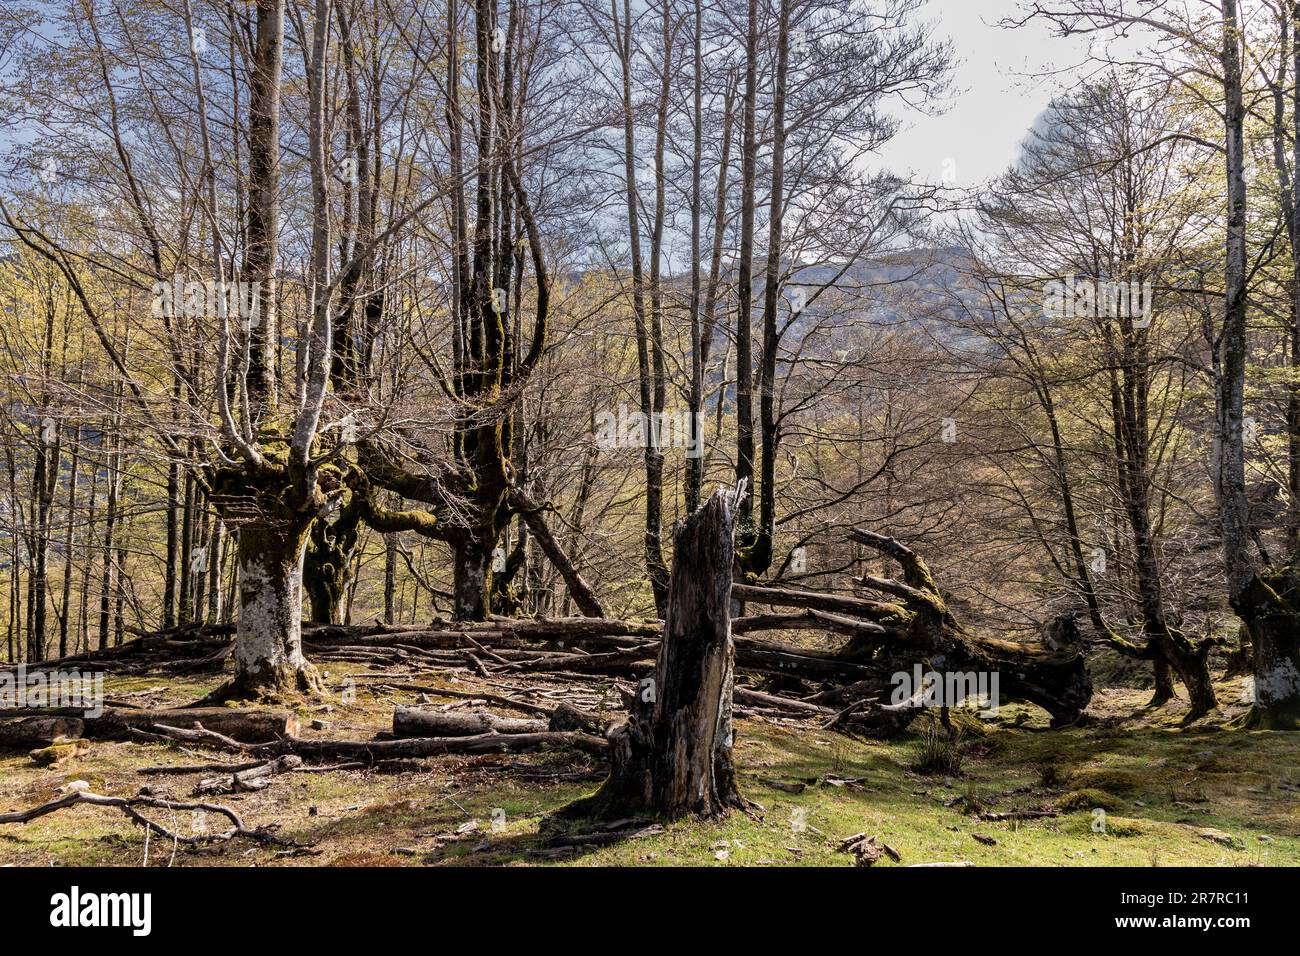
[(997, 91)]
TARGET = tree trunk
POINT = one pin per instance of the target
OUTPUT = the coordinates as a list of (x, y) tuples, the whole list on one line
[(695, 460), (1268, 601), (471, 580), (328, 564), (261, 258), (758, 557), (69, 543), (651, 393), (1190, 661), (745, 280), (673, 755), (1164, 678), (268, 644), (1271, 606), (390, 578), (172, 567)]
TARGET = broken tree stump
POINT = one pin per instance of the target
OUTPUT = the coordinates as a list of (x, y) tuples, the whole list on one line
[(673, 755)]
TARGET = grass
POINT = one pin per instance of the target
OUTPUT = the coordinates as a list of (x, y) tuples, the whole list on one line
[(1159, 785)]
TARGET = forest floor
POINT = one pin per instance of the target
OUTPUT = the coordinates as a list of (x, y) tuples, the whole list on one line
[(1171, 796)]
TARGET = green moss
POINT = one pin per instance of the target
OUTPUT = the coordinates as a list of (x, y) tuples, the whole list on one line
[(1115, 781), (373, 816), (1087, 799)]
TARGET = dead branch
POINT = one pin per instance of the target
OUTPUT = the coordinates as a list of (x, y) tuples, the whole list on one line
[(128, 805)]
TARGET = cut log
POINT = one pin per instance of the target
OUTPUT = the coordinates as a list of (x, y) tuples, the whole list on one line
[(673, 755), (410, 722), (25, 733), (249, 726)]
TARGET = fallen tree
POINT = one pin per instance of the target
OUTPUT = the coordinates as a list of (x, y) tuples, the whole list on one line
[(251, 726), (373, 751), (131, 807), (918, 628), (23, 733)]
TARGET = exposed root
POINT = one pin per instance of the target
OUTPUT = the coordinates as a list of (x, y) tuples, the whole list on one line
[(284, 687)]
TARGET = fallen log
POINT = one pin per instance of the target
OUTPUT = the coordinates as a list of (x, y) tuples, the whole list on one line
[(410, 722), (250, 779), (814, 621), (251, 726), (568, 717), (374, 751), (785, 705), (24, 733), (835, 603), (450, 636)]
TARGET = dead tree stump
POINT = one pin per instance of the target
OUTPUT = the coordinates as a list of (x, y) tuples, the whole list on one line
[(673, 755)]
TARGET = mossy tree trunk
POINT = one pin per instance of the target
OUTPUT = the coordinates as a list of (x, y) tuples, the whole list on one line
[(328, 564), (1271, 608), (268, 645), (471, 580)]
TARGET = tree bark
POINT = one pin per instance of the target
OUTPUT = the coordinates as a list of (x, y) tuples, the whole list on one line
[(410, 722), (673, 755), (471, 580), (268, 645)]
